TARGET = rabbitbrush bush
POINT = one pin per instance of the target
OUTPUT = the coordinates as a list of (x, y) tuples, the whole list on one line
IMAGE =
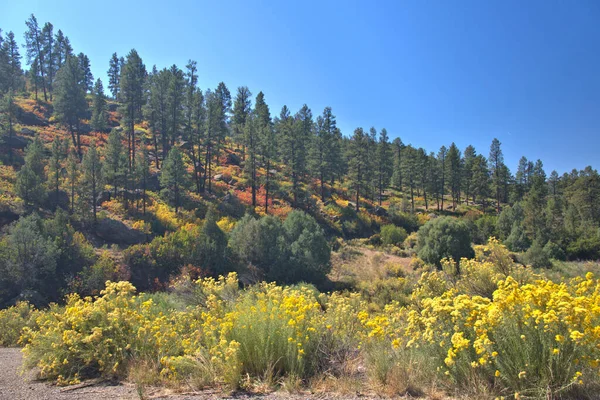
[(492, 326)]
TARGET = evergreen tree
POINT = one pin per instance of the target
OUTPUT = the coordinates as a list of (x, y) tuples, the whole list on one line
[(70, 105), (10, 64), (62, 50), (48, 48), (73, 175), (133, 75), (213, 123), (224, 96), (534, 205), (55, 167), (480, 182), (384, 163), (115, 162), (142, 173), (397, 166), (454, 173), (91, 178), (35, 53), (441, 156), (496, 161), (99, 119), (86, 77), (423, 173), (467, 170), (173, 178), (175, 99), (32, 177), (357, 163), (114, 76), (410, 171), (193, 100), (323, 147), (251, 164), (7, 119), (157, 109), (242, 107), (267, 140)]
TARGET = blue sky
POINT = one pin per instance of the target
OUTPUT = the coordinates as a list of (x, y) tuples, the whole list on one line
[(430, 72)]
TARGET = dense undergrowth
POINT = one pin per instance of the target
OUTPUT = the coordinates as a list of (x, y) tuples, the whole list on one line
[(483, 328)]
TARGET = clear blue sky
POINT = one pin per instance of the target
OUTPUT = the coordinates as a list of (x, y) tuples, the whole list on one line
[(431, 72)]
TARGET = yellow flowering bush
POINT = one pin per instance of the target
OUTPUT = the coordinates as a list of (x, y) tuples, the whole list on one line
[(13, 320), (100, 336), (535, 338)]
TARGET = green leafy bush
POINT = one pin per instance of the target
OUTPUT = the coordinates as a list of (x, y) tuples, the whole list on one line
[(444, 237), (393, 235)]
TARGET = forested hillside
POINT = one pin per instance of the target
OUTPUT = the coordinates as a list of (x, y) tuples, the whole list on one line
[(98, 186), (185, 237)]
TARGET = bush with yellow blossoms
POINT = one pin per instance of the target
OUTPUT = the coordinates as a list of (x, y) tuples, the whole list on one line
[(534, 339), (101, 336)]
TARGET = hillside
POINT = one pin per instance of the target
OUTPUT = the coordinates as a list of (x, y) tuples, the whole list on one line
[(184, 239)]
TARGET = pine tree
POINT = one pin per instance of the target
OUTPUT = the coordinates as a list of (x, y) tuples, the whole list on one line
[(48, 48), (86, 77), (175, 99), (10, 66), (322, 148), (55, 167), (92, 177), (157, 110), (73, 175), (410, 171), (213, 123), (62, 49), (7, 115), (32, 177), (384, 163), (397, 166), (133, 75), (115, 162), (70, 105), (99, 119), (250, 165), (224, 96), (193, 100), (242, 107), (496, 161), (35, 53), (442, 154), (480, 182), (114, 76), (173, 178), (267, 140), (142, 173), (303, 129), (357, 163), (423, 173), (467, 170), (454, 173)]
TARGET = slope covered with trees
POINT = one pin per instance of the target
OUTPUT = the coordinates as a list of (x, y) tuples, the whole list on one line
[(143, 166)]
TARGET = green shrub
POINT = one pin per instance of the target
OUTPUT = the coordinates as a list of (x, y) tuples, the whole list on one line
[(555, 251), (444, 237), (537, 257), (294, 251), (393, 235)]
